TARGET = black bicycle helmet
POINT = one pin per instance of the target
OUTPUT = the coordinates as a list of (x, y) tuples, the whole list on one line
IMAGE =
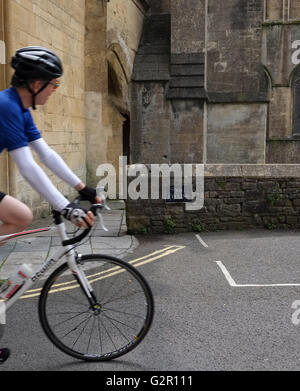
[(33, 63)]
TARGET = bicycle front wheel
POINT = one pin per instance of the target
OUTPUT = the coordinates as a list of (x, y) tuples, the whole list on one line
[(117, 323)]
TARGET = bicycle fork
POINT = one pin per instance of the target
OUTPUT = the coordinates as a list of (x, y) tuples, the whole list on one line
[(80, 276), (73, 261)]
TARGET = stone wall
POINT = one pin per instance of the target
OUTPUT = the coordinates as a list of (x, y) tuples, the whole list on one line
[(236, 83), (235, 63), (234, 44), (83, 121), (56, 25), (96, 86), (200, 91), (236, 133), (113, 32), (124, 27), (188, 29), (167, 109), (235, 197), (280, 32)]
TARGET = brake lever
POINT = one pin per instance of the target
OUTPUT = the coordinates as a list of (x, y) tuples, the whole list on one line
[(101, 194), (102, 221)]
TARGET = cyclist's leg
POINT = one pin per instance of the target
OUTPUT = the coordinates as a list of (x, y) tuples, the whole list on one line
[(14, 215)]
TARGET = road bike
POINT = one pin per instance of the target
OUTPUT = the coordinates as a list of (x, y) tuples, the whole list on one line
[(92, 307)]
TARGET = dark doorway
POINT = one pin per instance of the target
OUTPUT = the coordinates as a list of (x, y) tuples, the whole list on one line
[(296, 124), (126, 138)]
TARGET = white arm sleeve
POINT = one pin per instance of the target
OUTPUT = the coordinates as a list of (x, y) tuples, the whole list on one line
[(37, 178), (54, 162)]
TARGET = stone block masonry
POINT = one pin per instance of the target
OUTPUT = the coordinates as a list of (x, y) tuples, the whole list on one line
[(236, 197), (56, 25), (87, 118)]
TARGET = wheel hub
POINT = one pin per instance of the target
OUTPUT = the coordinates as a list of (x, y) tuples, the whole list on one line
[(97, 309)]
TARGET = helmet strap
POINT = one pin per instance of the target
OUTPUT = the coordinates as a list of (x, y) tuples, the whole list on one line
[(34, 94)]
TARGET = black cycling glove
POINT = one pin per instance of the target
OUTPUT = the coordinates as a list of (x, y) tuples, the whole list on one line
[(88, 194), (74, 213)]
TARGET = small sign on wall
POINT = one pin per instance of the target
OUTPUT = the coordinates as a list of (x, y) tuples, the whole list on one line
[(2, 52)]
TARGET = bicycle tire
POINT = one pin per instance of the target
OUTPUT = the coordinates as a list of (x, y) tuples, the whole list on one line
[(127, 292)]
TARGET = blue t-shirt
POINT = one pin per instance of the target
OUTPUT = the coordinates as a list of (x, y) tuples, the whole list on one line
[(17, 128)]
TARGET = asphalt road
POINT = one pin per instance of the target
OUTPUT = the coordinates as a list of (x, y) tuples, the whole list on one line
[(231, 306)]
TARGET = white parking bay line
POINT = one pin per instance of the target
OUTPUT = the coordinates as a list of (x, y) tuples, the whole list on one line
[(201, 241), (226, 274), (234, 284)]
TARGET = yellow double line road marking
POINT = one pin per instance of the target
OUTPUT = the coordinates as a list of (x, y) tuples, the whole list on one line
[(109, 272)]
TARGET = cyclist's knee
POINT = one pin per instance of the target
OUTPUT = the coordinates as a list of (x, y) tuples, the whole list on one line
[(26, 217), (14, 212)]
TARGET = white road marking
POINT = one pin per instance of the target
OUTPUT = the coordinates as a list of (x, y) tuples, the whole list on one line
[(234, 284), (226, 274), (201, 241), (107, 273)]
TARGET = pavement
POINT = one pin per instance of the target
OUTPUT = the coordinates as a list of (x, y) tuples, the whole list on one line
[(34, 250)]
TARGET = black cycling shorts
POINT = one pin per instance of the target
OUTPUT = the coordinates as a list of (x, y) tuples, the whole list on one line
[(2, 195)]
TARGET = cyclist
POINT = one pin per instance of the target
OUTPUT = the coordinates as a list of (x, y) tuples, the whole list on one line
[(36, 75)]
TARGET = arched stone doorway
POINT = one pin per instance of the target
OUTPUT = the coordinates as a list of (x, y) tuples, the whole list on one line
[(118, 96)]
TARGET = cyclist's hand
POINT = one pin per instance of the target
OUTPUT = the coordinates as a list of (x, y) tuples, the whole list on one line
[(78, 215), (90, 194)]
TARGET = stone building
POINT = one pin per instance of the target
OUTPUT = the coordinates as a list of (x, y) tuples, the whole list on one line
[(87, 118), (217, 82), (171, 81)]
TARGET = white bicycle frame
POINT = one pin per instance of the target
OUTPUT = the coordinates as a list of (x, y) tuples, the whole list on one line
[(67, 251)]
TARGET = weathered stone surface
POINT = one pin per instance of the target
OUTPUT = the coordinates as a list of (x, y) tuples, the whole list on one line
[(236, 133), (97, 41), (274, 10), (188, 29), (234, 70), (283, 151), (266, 201), (248, 59), (152, 59), (62, 121)]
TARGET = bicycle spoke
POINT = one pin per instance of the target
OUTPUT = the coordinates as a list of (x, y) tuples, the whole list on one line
[(81, 331), (120, 288), (91, 335), (128, 340), (64, 313), (112, 283), (118, 321), (123, 312), (76, 327), (122, 297), (109, 335), (74, 300), (100, 339), (67, 320)]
